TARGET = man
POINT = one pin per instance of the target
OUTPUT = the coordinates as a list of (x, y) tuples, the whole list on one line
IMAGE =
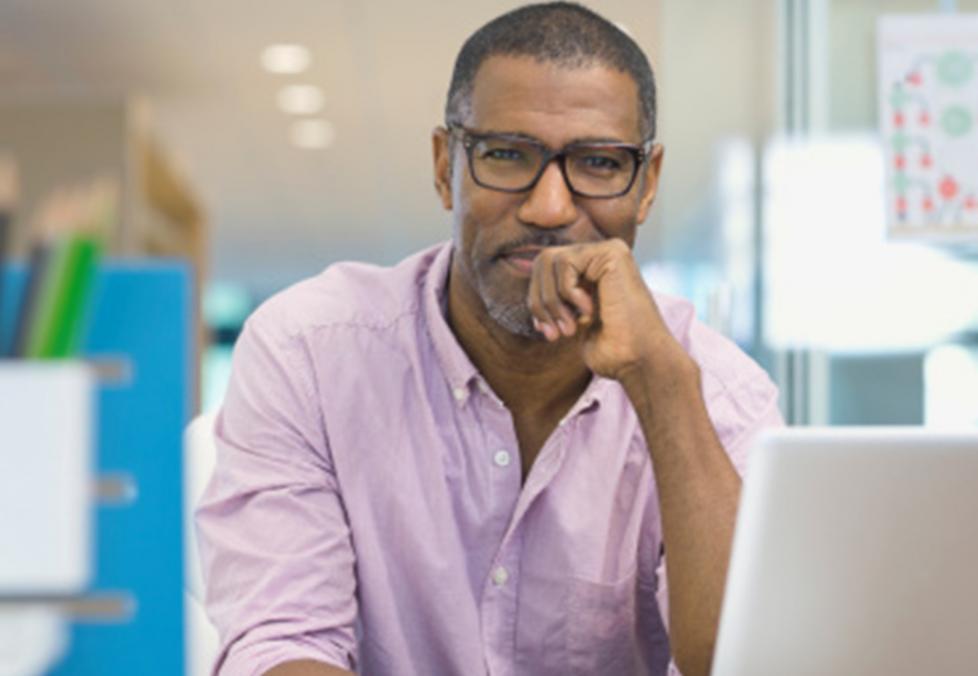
[(474, 462)]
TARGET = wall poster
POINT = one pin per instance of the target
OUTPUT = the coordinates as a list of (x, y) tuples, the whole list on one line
[(928, 108)]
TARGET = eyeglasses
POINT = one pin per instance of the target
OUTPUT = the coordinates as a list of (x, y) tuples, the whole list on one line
[(513, 163)]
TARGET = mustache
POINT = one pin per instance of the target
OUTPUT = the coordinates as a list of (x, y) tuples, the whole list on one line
[(537, 239)]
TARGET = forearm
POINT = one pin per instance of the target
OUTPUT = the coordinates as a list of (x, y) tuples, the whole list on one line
[(698, 493), (307, 668)]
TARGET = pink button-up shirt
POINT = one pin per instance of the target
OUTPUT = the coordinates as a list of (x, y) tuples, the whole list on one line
[(368, 508)]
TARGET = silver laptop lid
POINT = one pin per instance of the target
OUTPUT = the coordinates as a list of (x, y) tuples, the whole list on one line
[(855, 553)]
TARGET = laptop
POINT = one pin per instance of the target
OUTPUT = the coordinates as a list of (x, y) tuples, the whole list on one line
[(855, 553)]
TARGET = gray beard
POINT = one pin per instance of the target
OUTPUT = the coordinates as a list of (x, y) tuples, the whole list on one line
[(513, 318)]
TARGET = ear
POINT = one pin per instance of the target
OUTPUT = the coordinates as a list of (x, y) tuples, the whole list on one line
[(650, 182), (442, 155)]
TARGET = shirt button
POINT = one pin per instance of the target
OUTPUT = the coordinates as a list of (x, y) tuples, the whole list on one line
[(459, 393), (501, 458), (499, 576)]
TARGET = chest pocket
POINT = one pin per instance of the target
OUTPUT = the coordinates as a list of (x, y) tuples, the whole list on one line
[(601, 626)]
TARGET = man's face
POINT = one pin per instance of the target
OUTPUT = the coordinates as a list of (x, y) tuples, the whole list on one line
[(495, 233)]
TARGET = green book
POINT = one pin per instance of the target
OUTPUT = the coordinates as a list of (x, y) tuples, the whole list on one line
[(65, 291)]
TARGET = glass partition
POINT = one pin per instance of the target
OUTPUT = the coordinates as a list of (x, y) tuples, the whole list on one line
[(861, 328)]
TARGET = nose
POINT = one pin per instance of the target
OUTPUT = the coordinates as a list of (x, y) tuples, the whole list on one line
[(550, 203)]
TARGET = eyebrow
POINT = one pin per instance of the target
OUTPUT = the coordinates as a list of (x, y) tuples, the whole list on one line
[(527, 137)]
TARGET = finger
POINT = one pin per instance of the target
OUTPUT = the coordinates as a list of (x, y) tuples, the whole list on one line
[(542, 319), (561, 311), (599, 263), (602, 259), (569, 286)]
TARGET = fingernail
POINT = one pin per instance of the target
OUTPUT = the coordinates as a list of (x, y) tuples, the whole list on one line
[(550, 332), (566, 327)]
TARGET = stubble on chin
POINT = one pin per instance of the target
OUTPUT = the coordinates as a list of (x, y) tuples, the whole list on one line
[(512, 315), (515, 319)]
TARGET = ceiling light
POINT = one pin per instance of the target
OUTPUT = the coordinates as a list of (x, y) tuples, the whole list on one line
[(301, 99), (313, 134), (285, 59)]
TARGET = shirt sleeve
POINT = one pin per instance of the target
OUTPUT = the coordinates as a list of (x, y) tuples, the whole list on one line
[(738, 449), (275, 544)]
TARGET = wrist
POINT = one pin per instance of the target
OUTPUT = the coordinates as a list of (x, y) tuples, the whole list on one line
[(664, 370)]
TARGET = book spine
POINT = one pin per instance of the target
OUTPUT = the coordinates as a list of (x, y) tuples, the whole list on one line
[(73, 302), (45, 316), (26, 314)]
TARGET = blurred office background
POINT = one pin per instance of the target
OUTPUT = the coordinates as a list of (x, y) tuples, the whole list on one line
[(263, 167), (771, 209)]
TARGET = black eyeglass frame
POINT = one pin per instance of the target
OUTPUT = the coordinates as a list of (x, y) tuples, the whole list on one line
[(470, 138)]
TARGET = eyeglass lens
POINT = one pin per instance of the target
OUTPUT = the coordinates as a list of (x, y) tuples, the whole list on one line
[(511, 164)]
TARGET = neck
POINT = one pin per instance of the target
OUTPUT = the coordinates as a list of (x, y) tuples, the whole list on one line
[(529, 375)]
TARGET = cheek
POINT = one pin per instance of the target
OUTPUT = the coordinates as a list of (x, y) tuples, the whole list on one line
[(615, 218), (482, 219)]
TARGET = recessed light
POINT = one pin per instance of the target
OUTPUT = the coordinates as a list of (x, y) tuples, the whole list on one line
[(300, 99), (285, 59), (313, 134)]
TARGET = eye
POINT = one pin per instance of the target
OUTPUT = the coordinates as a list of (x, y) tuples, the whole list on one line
[(503, 154), (601, 163)]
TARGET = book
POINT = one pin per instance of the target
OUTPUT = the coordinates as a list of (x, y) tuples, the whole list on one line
[(59, 313)]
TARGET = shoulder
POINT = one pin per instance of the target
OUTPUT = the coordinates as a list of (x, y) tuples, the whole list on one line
[(737, 391), (347, 295)]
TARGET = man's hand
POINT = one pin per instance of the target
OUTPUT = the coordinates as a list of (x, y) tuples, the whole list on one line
[(307, 668), (595, 291)]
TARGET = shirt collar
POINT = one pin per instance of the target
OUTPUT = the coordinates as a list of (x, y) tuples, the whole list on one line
[(458, 369)]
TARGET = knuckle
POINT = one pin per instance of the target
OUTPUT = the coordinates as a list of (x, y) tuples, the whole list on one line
[(566, 270)]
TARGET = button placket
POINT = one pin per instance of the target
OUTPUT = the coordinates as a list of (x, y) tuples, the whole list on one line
[(500, 603)]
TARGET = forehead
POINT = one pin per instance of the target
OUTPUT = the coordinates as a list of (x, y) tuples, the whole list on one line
[(557, 104)]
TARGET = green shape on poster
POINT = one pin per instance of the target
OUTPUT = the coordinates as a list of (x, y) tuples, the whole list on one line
[(955, 69), (956, 121), (899, 98), (900, 182), (900, 142)]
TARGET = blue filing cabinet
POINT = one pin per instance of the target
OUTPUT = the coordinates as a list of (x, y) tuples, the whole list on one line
[(141, 327)]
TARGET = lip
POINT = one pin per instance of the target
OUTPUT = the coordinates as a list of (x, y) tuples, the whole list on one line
[(521, 259), (523, 266)]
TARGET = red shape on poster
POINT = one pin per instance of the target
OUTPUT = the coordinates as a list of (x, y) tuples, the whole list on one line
[(926, 161), (914, 78), (901, 204), (924, 119), (899, 161), (898, 119), (970, 202), (948, 187), (928, 204)]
